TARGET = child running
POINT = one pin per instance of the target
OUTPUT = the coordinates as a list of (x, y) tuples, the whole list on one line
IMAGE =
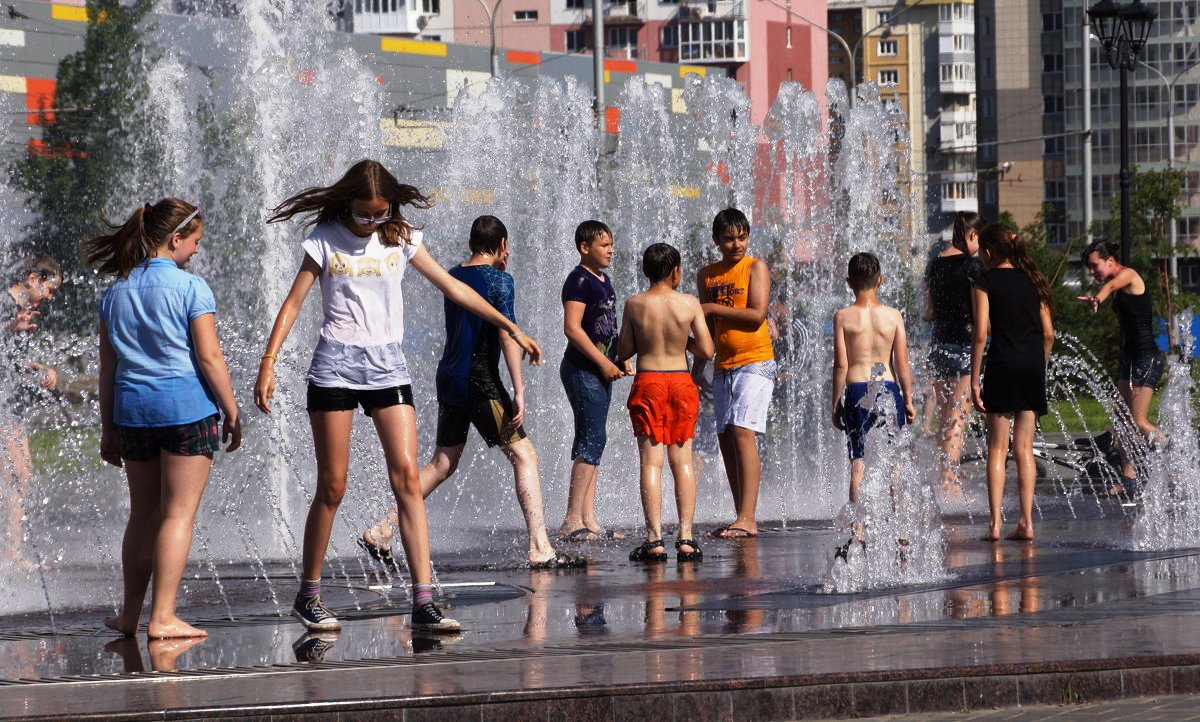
[(359, 249), (1012, 305), (588, 368), (660, 327), (162, 379), (734, 294), (870, 354), (471, 392)]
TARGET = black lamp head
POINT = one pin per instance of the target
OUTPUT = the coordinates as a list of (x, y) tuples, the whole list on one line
[(1105, 14), (1136, 17)]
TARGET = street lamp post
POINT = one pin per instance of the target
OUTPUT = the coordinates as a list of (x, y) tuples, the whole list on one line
[(1123, 30), (491, 16)]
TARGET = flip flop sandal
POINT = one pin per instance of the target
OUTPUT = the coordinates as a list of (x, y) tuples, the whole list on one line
[(716, 533), (383, 555), (582, 534), (559, 561), (643, 553), (695, 555), (735, 532)]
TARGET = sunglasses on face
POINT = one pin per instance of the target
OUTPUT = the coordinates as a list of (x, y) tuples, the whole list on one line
[(370, 220)]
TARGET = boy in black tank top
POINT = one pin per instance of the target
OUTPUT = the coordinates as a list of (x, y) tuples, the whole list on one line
[(1140, 363)]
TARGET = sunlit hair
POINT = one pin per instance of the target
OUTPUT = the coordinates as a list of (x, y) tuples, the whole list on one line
[(589, 231), (39, 264), (1001, 244), (966, 221), (659, 261), (148, 228), (365, 181), (1103, 248), (862, 272), (729, 218)]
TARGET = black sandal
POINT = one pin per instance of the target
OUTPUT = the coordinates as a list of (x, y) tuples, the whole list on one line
[(559, 561), (381, 554), (643, 553), (693, 556)]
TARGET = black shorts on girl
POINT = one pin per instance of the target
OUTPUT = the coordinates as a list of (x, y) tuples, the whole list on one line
[(325, 398), (1142, 371), (143, 443)]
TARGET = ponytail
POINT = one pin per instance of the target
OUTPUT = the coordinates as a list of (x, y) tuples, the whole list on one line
[(966, 221), (147, 229), (1001, 244)]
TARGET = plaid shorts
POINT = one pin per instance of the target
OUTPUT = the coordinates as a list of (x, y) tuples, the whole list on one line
[(143, 443)]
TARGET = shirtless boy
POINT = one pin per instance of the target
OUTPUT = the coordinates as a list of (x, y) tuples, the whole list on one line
[(660, 327), (869, 348)]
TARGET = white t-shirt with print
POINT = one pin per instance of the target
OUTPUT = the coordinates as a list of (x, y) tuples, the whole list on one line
[(363, 308)]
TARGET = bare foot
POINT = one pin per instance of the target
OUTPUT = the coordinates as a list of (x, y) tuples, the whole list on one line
[(173, 629), (992, 535), (164, 652), (1020, 534), (122, 625), (736, 530)]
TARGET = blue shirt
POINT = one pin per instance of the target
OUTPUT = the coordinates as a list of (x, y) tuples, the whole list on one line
[(148, 315), (470, 367), (599, 315)]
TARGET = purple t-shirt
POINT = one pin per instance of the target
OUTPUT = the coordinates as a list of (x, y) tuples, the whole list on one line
[(599, 314)]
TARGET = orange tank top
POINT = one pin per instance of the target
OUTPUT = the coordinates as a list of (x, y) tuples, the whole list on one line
[(736, 346)]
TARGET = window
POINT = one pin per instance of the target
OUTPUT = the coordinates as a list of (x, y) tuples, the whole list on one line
[(1052, 63), (987, 106), (1052, 104), (713, 40), (430, 7), (1051, 22), (889, 47), (670, 36), (576, 41), (884, 17), (987, 25), (956, 12), (989, 193), (578, 4), (623, 38), (889, 77), (964, 43), (987, 67), (525, 16), (1053, 146), (668, 2), (1055, 190), (432, 38)]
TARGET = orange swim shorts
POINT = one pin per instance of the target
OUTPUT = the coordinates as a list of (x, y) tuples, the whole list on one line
[(664, 405)]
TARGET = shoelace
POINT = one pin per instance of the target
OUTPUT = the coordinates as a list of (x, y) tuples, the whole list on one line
[(430, 610), (318, 609)]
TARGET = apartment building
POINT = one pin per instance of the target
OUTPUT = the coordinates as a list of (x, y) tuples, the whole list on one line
[(760, 43), (921, 55)]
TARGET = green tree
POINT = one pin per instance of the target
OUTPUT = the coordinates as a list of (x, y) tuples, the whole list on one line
[(87, 142)]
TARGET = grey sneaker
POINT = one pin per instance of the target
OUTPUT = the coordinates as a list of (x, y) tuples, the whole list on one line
[(430, 618), (314, 615)]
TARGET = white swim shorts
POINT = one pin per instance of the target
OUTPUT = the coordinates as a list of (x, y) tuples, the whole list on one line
[(742, 395)]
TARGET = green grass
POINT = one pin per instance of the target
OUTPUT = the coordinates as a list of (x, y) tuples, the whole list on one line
[(1090, 417)]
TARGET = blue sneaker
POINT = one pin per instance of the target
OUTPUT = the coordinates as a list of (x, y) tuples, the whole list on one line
[(313, 646), (430, 618), (314, 615)]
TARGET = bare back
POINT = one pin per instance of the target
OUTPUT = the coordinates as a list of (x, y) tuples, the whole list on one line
[(869, 334), (658, 324)]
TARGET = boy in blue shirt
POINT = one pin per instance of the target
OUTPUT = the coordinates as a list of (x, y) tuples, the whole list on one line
[(471, 392)]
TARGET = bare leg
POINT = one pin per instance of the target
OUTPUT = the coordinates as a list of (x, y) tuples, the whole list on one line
[(953, 395), (679, 456), (183, 482), (581, 494), (20, 468), (1024, 426), (729, 458), (651, 453), (441, 467), (331, 439), (749, 471), (857, 469), (997, 436), (137, 546), (524, 460), (1139, 404), (397, 429)]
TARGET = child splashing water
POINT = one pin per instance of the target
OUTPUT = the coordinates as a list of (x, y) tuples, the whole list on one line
[(359, 249), (162, 379)]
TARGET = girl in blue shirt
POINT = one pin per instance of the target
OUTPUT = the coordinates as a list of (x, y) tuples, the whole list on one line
[(163, 379)]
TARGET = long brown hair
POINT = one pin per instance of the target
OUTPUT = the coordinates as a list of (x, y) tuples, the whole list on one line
[(1001, 244), (148, 228), (366, 180)]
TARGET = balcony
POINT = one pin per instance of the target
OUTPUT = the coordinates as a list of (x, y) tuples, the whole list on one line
[(617, 13), (957, 130), (958, 77), (713, 40), (392, 17), (960, 192)]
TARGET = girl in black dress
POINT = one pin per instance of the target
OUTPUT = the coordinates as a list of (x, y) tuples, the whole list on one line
[(1012, 304)]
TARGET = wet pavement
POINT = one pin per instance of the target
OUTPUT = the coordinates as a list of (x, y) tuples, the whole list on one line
[(749, 633)]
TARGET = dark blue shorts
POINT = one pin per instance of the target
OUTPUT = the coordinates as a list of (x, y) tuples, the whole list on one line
[(143, 443), (859, 414), (1145, 371), (590, 398), (947, 360)]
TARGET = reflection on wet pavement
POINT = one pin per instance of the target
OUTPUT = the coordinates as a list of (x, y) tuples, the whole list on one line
[(771, 584)]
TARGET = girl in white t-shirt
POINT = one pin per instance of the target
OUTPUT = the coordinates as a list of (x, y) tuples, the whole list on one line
[(359, 249)]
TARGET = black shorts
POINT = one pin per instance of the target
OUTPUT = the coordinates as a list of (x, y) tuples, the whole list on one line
[(143, 443), (489, 416), (325, 398), (1142, 371)]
